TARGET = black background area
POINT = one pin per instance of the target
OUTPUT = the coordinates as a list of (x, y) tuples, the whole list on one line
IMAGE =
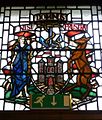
[(48, 2)]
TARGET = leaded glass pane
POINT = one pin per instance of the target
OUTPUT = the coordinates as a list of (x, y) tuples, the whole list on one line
[(50, 58)]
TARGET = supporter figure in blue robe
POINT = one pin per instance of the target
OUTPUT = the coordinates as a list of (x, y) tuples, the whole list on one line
[(21, 66)]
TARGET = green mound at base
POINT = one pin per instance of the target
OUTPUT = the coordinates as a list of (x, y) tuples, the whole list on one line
[(78, 92)]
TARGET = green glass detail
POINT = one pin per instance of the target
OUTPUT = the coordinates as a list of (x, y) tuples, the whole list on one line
[(49, 101), (8, 95), (78, 92), (33, 90)]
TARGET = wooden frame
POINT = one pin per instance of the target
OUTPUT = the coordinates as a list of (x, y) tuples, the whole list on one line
[(51, 115)]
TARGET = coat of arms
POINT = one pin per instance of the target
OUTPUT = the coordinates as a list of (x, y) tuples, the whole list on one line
[(50, 63)]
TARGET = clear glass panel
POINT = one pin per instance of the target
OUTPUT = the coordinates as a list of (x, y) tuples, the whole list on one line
[(1, 17), (76, 13), (14, 15), (25, 13), (94, 10), (86, 14)]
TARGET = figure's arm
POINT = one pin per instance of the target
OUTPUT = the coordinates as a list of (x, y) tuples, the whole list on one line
[(12, 53), (75, 55), (69, 68)]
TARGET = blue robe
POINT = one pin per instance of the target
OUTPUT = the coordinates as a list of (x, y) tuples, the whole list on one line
[(20, 78)]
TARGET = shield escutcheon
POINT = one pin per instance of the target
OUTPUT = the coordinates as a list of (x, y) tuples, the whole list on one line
[(50, 55), (51, 60)]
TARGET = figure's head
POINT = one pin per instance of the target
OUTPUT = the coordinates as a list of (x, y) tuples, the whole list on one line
[(21, 40), (78, 37), (82, 40)]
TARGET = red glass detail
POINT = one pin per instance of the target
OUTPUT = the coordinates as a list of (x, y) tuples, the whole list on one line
[(39, 56), (50, 81), (72, 33), (25, 34), (88, 51), (94, 75), (74, 66), (48, 69), (6, 72), (49, 52), (58, 56), (49, 61)]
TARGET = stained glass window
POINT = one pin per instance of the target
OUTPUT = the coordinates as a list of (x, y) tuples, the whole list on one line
[(50, 58)]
